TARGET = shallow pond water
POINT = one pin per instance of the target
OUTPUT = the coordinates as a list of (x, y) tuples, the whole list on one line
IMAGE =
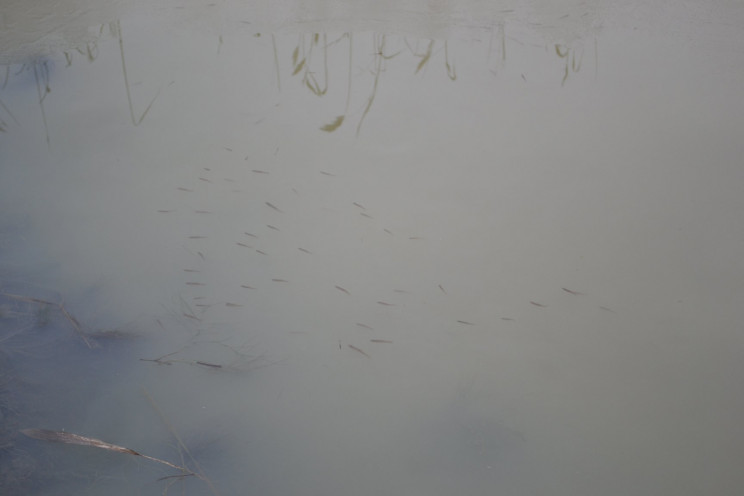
[(410, 248)]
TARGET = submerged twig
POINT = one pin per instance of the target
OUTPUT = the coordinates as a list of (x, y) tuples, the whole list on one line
[(69, 438)]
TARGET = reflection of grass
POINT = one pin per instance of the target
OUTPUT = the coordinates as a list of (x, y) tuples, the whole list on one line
[(41, 70), (41, 74), (379, 60), (304, 62), (116, 29), (3, 124), (330, 127), (276, 64), (450, 69), (572, 62), (90, 52), (425, 57), (306, 50)]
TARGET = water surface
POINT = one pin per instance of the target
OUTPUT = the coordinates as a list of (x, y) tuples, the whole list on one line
[(400, 249)]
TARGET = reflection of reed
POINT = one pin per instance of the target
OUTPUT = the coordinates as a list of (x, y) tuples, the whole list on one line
[(499, 30), (380, 58), (41, 74), (304, 62), (450, 68), (90, 52), (276, 63), (571, 61), (115, 28), (3, 124)]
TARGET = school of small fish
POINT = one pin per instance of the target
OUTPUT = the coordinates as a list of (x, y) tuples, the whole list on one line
[(279, 213)]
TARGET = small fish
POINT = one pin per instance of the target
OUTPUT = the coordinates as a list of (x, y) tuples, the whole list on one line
[(280, 280), (201, 255), (186, 190), (402, 291), (327, 173), (257, 171), (192, 316), (207, 364), (246, 287), (261, 252), (274, 207), (165, 211), (359, 205), (379, 341), (575, 293), (415, 237), (206, 169), (250, 234), (366, 215), (196, 284), (358, 350), (243, 245), (442, 288), (305, 251), (343, 290), (384, 303), (538, 304), (232, 305), (388, 231), (202, 305), (607, 309), (197, 237), (272, 227), (228, 149), (465, 322), (204, 179), (364, 326), (509, 319)]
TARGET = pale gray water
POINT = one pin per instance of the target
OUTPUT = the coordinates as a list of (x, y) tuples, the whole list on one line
[(488, 157)]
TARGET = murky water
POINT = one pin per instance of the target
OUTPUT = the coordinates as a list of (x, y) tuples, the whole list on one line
[(385, 249)]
